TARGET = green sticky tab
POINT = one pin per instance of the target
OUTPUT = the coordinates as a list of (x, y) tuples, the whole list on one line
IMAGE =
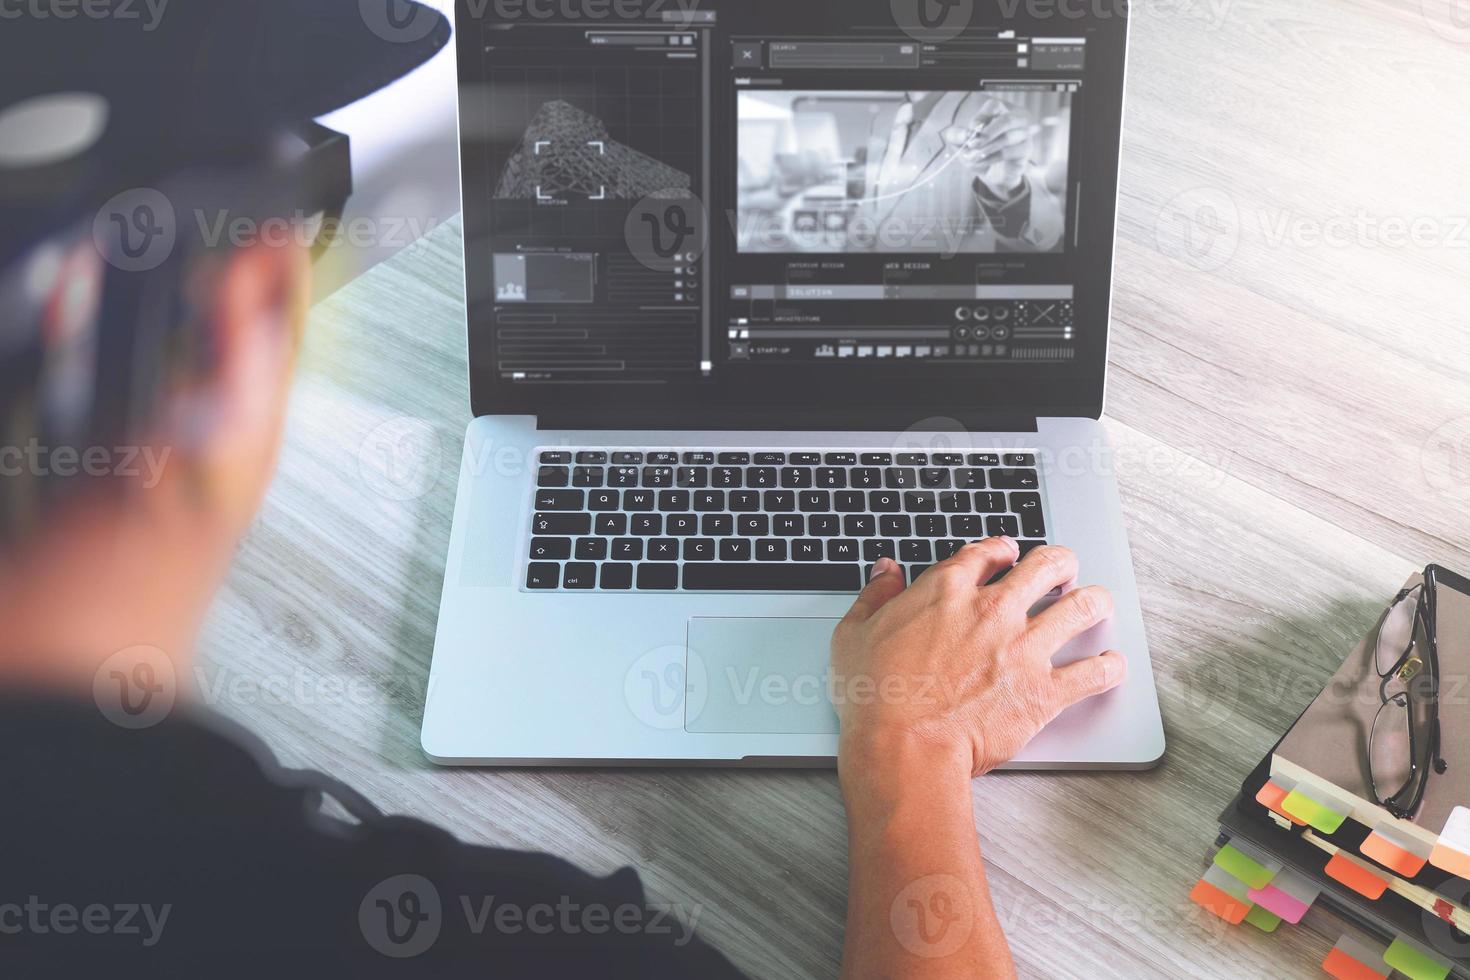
[(1317, 816), (1247, 869), (1414, 963), (1262, 919)]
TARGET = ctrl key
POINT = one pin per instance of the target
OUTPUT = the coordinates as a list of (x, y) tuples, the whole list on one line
[(543, 575)]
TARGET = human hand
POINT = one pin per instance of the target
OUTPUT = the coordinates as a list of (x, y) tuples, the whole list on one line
[(960, 668), (995, 146)]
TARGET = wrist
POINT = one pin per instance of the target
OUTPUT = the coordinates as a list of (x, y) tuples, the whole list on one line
[(887, 764)]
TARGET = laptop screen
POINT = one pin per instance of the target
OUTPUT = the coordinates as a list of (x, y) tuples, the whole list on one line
[(789, 202)]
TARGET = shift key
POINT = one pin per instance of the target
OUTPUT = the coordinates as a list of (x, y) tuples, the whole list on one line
[(561, 524)]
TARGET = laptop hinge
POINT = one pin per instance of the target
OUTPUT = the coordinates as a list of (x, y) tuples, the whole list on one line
[(782, 420)]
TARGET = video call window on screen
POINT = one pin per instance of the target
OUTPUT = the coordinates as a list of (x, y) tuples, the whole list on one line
[(866, 196)]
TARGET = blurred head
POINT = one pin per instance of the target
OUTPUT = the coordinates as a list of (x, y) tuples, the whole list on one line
[(159, 195)]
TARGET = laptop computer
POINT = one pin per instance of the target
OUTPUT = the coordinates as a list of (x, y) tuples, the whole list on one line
[(759, 292)]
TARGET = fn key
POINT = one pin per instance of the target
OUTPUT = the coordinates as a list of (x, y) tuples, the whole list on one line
[(543, 575)]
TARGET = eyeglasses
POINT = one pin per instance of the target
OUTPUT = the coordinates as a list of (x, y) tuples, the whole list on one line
[(1404, 742)]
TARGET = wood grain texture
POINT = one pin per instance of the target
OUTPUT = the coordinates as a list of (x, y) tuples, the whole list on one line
[(1293, 424)]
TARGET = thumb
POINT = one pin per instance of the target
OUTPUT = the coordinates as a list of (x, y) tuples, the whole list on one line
[(886, 583), (1089, 677)]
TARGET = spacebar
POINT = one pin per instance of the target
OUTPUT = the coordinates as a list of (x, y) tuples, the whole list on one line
[(773, 577)]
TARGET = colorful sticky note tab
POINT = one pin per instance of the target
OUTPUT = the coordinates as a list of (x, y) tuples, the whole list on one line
[(1356, 875), (1452, 853), (1263, 919), (1414, 962), (1246, 863), (1271, 796), (1395, 851), (1276, 899), (1352, 959), (1317, 814), (1221, 894)]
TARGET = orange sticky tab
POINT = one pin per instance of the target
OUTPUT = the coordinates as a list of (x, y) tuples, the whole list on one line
[(1356, 876), (1344, 967), (1227, 907), (1391, 856), (1271, 796)]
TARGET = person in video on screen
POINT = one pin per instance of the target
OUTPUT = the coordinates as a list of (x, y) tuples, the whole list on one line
[(146, 837)]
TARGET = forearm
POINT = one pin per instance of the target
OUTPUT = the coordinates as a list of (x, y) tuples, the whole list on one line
[(918, 903)]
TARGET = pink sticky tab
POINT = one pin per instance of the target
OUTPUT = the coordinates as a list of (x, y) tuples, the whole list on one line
[(1277, 902)]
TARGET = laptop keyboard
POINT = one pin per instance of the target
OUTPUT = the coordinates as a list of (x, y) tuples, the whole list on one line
[(777, 521)]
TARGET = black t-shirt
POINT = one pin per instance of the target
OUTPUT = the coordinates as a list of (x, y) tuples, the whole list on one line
[(185, 850)]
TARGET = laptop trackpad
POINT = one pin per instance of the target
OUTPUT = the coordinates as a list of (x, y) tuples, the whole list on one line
[(759, 677)]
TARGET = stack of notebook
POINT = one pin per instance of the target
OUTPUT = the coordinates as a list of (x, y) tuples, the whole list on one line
[(1305, 827)]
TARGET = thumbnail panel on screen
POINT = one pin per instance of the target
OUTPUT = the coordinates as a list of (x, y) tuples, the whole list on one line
[(976, 172)]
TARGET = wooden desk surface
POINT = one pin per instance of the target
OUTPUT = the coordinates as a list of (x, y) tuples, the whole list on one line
[(1290, 401)]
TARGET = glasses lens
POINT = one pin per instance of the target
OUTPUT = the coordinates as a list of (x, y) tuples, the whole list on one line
[(1388, 748), (1397, 631)]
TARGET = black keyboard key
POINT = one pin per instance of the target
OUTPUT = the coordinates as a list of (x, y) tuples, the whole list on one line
[(543, 575), (699, 459), (896, 526), (913, 459), (1029, 546), (990, 503), (623, 476), (570, 525), (592, 459), (673, 500), (663, 459), (843, 549), (969, 479), (840, 459), (591, 549), (920, 502), (900, 478), (872, 567), (867, 478), (604, 500), (931, 526), (658, 476), (551, 549), (807, 549), (1028, 505), (948, 459), (969, 527), (728, 477), (717, 525), (815, 501), (772, 578), (831, 478), (692, 477), (952, 502), (762, 477), (616, 577), (744, 501), (611, 525), (1020, 459), (734, 459), (998, 525), (877, 459), (916, 570), (934, 479), (553, 476), (876, 548), (770, 549), (735, 549), (944, 550), (709, 500), (559, 500), (770, 459), (658, 578), (556, 458), (639, 500), (788, 525), (648, 525), (824, 525), (779, 501), (911, 552), (699, 549), (796, 478), (1014, 480), (984, 459), (663, 549), (681, 525), (884, 502), (579, 575), (753, 525), (627, 459), (849, 502), (859, 526), (627, 549), (587, 476), (805, 459)]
